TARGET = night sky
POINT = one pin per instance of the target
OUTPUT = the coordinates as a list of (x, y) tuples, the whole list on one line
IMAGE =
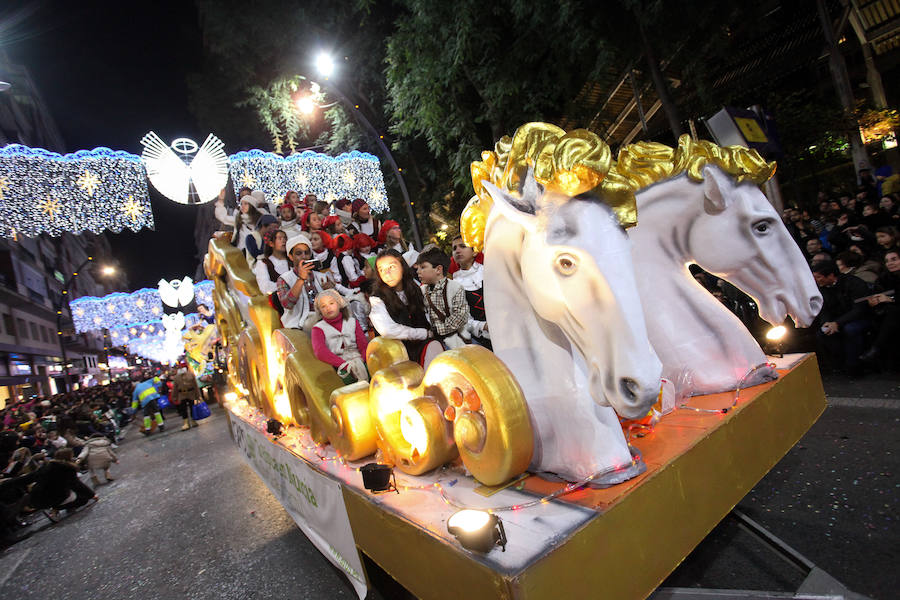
[(109, 73)]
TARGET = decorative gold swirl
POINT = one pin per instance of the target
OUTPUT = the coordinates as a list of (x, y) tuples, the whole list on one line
[(491, 425)]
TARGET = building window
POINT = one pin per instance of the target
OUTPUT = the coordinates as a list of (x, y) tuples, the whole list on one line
[(34, 333), (45, 335), (21, 328), (8, 325)]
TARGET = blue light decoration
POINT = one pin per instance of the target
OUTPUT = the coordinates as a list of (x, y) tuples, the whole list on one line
[(117, 310), (350, 175), (148, 340), (89, 190)]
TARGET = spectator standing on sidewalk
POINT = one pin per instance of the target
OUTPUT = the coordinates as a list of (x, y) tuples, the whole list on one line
[(186, 392)]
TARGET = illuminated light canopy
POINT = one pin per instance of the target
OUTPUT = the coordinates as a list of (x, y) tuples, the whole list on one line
[(89, 190), (351, 175), (172, 175), (125, 310)]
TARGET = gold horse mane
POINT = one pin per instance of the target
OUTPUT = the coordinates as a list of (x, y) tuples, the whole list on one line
[(579, 161)]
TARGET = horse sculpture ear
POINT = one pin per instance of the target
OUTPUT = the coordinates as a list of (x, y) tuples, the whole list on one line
[(715, 183), (519, 210)]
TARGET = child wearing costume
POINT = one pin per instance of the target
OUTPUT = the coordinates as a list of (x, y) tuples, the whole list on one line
[(338, 339)]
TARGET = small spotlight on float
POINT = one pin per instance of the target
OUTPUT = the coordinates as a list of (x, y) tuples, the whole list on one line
[(776, 334), (229, 396), (477, 530), (378, 478), (775, 338), (274, 426)]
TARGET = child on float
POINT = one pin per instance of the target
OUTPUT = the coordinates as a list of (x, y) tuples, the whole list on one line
[(344, 267), (333, 225), (273, 263), (243, 221), (445, 299), (287, 212), (397, 305), (364, 249), (342, 211), (254, 243), (321, 247), (470, 274), (310, 221), (338, 339), (295, 287), (362, 220), (391, 237)]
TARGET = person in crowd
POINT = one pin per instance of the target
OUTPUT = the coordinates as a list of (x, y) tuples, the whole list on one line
[(73, 442), (98, 455), (53, 483), (56, 441), (243, 222), (887, 206), (338, 339), (322, 244), (887, 239), (364, 247), (287, 212), (362, 219), (813, 247), (146, 395), (445, 299), (843, 322), (294, 286), (344, 268), (397, 304), (186, 392), (391, 238), (21, 463), (254, 243), (470, 275), (887, 314), (851, 263), (206, 315), (333, 225), (342, 208), (273, 263), (310, 222)]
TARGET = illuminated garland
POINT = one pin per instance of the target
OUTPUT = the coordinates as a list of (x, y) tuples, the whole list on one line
[(149, 339), (125, 310), (352, 175), (46, 192)]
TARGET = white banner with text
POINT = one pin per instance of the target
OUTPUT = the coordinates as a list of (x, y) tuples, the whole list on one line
[(313, 499)]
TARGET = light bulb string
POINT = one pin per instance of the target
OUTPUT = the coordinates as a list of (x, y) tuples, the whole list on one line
[(737, 393)]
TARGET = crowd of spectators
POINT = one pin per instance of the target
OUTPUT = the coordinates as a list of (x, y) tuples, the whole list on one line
[(851, 243), (46, 441)]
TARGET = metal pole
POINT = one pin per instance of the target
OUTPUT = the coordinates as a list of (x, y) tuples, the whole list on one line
[(387, 154)]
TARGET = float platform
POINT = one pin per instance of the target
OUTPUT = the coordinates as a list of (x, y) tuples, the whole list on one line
[(620, 542)]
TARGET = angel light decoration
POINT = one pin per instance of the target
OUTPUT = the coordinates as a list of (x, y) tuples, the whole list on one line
[(194, 182)]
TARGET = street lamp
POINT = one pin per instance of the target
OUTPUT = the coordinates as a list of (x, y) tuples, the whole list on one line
[(64, 301), (325, 66)]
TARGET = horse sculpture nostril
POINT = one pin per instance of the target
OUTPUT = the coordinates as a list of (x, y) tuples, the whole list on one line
[(815, 304), (629, 388)]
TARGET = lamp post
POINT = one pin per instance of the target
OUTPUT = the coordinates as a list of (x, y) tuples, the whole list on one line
[(325, 66), (64, 301)]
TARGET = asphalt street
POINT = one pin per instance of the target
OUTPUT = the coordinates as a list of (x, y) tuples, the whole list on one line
[(187, 518)]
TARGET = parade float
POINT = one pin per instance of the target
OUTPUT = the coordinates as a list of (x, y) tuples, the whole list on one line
[(623, 413)]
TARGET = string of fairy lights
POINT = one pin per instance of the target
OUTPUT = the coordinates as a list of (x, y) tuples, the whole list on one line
[(103, 189), (351, 175), (89, 190)]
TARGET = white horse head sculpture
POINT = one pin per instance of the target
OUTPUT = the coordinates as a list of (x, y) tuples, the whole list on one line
[(730, 230), (565, 316)]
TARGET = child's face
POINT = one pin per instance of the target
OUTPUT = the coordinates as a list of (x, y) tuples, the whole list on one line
[(462, 253), (365, 249), (329, 307), (316, 240), (429, 274), (315, 222)]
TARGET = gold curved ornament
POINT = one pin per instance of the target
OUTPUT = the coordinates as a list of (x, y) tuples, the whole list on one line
[(383, 352), (354, 436), (491, 425), (412, 433)]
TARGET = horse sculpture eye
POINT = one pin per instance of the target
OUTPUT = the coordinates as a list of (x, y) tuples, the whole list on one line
[(566, 264), (762, 227)]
